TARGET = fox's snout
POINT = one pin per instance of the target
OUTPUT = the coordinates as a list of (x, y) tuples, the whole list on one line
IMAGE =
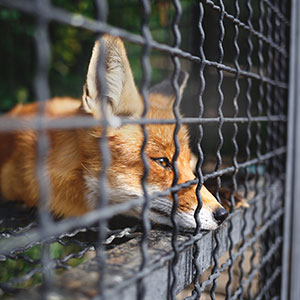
[(210, 219), (220, 215), (212, 213)]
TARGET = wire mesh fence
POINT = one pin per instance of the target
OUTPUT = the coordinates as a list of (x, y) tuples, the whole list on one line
[(235, 104)]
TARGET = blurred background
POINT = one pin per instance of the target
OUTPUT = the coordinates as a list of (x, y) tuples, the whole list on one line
[(71, 49)]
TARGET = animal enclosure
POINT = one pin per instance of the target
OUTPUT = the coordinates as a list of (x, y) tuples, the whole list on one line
[(242, 84)]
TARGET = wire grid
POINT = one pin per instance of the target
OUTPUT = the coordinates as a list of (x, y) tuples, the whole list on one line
[(265, 241)]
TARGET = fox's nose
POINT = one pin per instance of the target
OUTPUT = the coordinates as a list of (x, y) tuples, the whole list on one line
[(220, 215)]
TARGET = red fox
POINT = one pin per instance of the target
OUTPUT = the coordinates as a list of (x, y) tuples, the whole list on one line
[(74, 160)]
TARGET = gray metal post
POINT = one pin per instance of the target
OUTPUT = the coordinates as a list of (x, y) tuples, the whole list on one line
[(291, 251)]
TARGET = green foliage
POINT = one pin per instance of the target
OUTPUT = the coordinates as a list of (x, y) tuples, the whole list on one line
[(16, 58), (71, 47), (14, 268)]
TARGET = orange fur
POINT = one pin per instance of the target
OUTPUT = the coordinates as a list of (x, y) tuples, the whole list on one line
[(73, 162)]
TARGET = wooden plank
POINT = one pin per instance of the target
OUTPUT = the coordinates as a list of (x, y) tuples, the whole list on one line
[(123, 261)]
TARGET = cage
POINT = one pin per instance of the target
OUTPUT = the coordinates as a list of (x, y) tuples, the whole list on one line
[(235, 105)]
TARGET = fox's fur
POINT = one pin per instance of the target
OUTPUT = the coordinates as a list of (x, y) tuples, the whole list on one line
[(74, 161)]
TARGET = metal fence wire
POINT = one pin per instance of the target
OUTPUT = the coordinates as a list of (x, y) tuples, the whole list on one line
[(236, 107)]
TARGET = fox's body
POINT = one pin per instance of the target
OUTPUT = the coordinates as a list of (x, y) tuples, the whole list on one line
[(74, 161)]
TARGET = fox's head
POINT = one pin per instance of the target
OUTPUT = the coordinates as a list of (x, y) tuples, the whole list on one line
[(126, 167)]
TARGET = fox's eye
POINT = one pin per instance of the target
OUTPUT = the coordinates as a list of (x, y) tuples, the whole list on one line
[(163, 161)]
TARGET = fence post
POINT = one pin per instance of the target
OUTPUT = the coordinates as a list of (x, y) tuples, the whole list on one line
[(291, 248)]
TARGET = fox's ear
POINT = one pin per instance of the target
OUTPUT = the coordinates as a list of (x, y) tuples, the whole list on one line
[(163, 94), (118, 85), (193, 162)]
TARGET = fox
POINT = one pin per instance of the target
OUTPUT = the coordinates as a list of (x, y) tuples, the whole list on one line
[(74, 161)]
